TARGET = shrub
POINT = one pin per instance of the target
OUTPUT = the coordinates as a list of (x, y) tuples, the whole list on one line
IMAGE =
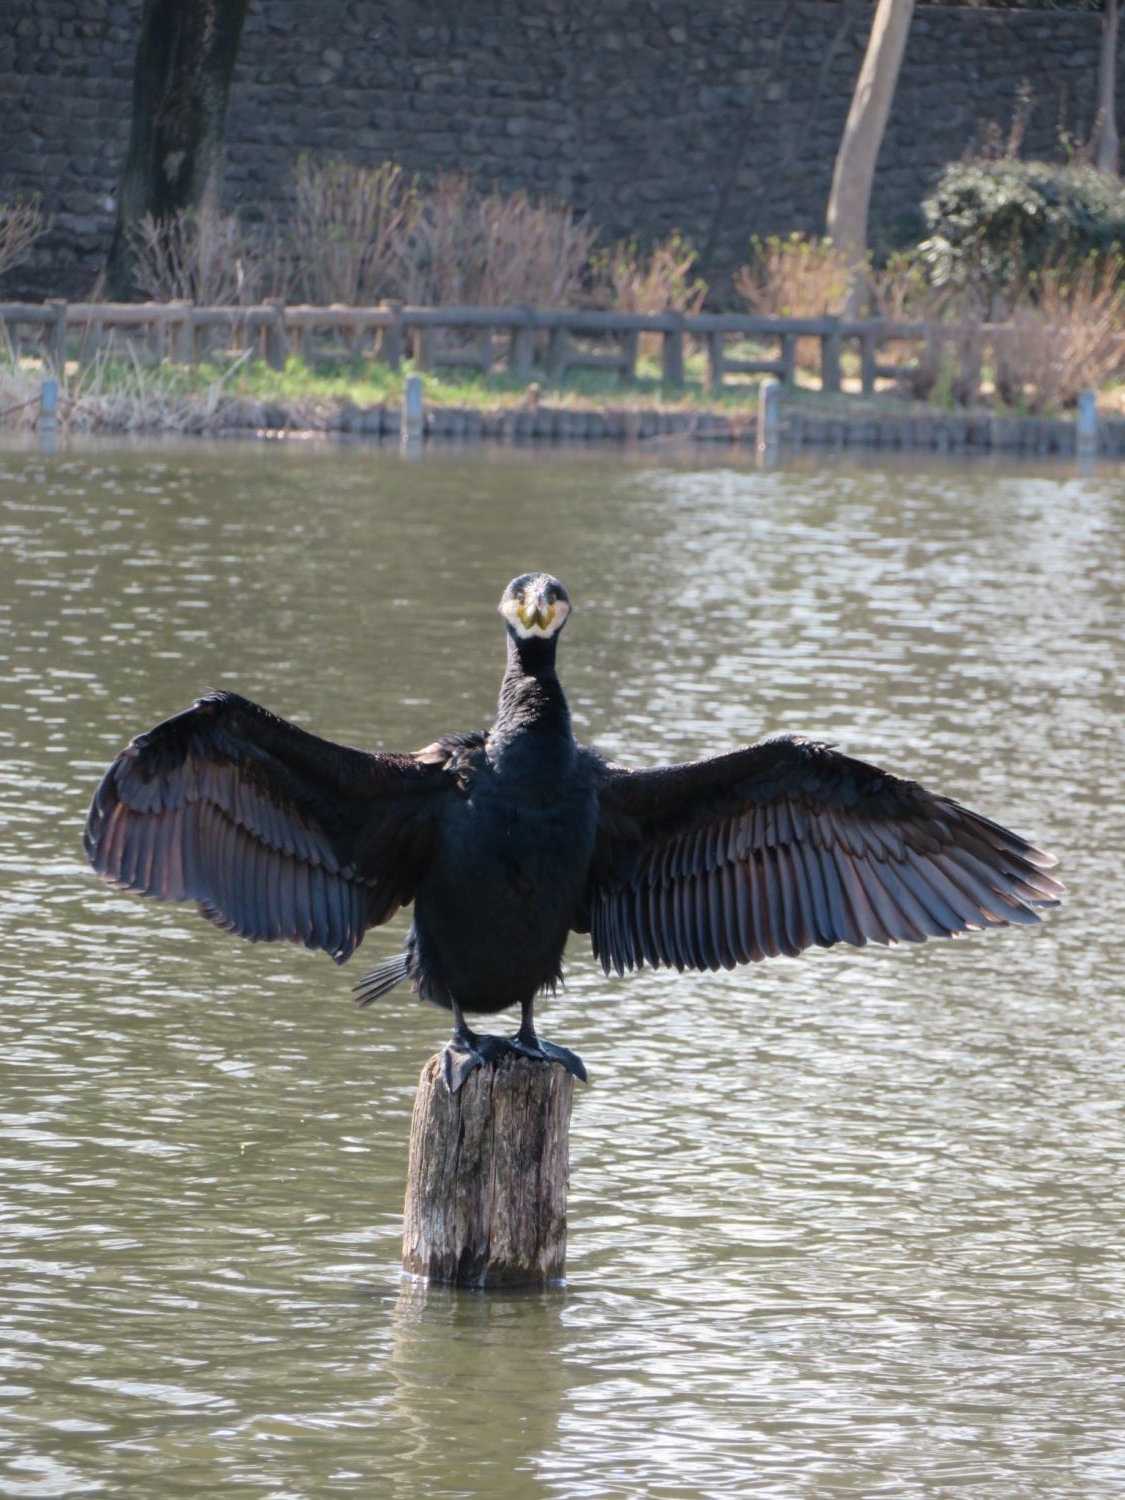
[(947, 368), (198, 255), (494, 250), (627, 281), (349, 229), (1063, 335), (900, 290), (19, 388), (21, 224), (792, 276), (994, 224)]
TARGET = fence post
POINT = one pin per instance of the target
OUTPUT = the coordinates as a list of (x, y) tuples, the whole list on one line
[(487, 350), (715, 362), (413, 411), (788, 357), (830, 349), (58, 335), (47, 425), (769, 415), (869, 349), (155, 333), (390, 345), (183, 337), (672, 354), (277, 343), (629, 343), (1086, 438), (521, 350), (556, 354)]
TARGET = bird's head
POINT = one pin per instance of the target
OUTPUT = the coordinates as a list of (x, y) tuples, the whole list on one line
[(535, 606)]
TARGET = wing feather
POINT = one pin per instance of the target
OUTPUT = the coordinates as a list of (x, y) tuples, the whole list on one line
[(787, 845), (275, 833)]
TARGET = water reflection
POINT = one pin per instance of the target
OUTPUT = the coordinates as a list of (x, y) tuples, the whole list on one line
[(848, 1225)]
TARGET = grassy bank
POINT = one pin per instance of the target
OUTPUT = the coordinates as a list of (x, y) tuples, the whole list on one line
[(127, 396)]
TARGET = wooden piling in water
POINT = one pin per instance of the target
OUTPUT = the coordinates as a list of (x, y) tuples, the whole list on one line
[(486, 1185)]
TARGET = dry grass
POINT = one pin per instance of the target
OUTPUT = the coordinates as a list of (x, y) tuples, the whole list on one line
[(350, 229), (662, 281), (1064, 334), (21, 224), (19, 394), (495, 250), (793, 276), (900, 291), (947, 368), (197, 255)]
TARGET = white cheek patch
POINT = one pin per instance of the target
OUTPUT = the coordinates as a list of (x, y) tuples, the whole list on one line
[(510, 609)]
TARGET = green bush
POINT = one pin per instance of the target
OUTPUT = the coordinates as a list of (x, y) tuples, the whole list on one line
[(994, 224)]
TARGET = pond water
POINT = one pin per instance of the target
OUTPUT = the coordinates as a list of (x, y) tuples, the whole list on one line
[(850, 1225)]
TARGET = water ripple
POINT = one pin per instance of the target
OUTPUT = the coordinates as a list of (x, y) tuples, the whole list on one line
[(849, 1225)]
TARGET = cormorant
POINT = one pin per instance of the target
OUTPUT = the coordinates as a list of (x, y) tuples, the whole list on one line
[(506, 840)]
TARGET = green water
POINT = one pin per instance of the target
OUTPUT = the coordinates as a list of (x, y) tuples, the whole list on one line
[(850, 1225)]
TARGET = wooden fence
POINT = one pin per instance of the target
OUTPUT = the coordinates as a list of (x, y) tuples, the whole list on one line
[(525, 343)]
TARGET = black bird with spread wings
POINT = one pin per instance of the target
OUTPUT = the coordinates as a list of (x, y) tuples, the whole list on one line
[(508, 840)]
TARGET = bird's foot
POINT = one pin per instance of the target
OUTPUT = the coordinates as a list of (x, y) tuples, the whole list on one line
[(547, 1052), (466, 1051)]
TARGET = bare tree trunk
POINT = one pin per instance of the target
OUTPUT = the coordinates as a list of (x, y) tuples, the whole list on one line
[(863, 133), (184, 65), (1108, 150)]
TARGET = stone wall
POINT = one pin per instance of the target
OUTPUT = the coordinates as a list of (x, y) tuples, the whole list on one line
[(644, 113)]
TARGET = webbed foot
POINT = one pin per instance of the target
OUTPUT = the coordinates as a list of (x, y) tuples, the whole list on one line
[(466, 1051), (547, 1052)]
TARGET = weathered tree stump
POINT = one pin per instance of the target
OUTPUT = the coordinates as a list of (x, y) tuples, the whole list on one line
[(486, 1187)]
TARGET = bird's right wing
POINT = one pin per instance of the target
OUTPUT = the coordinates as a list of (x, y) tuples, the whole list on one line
[(276, 833), (787, 845)]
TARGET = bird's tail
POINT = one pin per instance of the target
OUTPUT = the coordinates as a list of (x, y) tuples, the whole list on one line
[(382, 978)]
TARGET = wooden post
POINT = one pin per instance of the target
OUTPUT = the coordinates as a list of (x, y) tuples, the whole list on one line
[(183, 336), (390, 345), (58, 335), (672, 371), (1086, 435), (413, 412), (769, 415), (48, 423), (277, 342), (869, 357), (788, 371), (486, 350), (630, 341), (521, 349), (556, 354), (486, 1188), (715, 361), (830, 360), (156, 330)]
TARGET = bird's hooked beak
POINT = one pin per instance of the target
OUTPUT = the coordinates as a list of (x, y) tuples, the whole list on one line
[(536, 610)]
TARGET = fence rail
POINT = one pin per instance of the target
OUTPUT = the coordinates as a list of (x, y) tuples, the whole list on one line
[(524, 342)]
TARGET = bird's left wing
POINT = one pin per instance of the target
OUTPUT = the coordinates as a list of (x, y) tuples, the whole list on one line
[(276, 833), (787, 845)]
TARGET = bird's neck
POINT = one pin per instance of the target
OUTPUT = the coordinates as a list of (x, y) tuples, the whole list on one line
[(531, 696)]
